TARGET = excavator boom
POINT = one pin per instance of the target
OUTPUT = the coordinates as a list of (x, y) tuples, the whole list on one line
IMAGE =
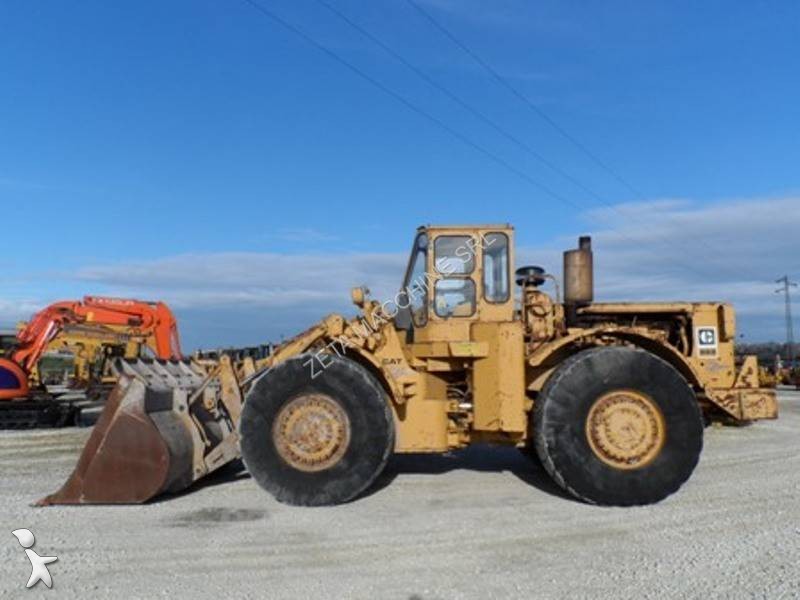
[(153, 321)]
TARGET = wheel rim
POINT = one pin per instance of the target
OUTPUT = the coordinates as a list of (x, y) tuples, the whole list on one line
[(311, 432), (625, 429)]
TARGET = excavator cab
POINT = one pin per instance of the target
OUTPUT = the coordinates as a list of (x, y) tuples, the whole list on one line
[(13, 380)]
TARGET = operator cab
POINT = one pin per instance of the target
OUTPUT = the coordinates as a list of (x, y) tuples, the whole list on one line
[(456, 275)]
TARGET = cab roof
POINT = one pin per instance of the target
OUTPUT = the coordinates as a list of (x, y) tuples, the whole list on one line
[(476, 227)]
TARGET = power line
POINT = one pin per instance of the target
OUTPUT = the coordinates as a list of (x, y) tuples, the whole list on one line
[(460, 101), (785, 290), (502, 81), (491, 123), (411, 106), (513, 90), (439, 123)]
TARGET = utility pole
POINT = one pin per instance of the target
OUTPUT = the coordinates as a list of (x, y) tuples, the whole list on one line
[(785, 290)]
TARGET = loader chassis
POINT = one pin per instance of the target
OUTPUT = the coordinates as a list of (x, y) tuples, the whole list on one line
[(461, 363), (610, 396), (475, 378)]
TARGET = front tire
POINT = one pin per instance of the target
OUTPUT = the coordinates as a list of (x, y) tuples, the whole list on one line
[(618, 426), (314, 436)]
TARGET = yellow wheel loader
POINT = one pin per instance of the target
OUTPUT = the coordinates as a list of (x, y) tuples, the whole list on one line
[(611, 397)]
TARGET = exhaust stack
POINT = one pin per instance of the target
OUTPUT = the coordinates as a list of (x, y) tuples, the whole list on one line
[(578, 277)]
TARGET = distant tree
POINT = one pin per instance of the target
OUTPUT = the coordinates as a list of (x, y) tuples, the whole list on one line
[(765, 351)]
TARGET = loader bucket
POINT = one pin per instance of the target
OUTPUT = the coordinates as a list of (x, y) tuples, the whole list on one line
[(155, 435)]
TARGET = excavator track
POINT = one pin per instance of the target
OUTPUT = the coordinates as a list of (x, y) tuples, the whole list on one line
[(36, 412), (50, 410)]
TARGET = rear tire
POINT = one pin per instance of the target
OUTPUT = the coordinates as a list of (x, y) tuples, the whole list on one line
[(618, 426), (315, 438)]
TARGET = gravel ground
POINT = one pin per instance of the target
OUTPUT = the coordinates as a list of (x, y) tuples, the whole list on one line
[(484, 523)]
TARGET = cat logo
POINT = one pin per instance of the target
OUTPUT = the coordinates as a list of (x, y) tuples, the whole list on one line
[(706, 341)]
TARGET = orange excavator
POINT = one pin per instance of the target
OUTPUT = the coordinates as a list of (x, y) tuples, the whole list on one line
[(151, 322)]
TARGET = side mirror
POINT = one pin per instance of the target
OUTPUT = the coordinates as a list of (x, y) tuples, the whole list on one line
[(359, 295), (402, 320)]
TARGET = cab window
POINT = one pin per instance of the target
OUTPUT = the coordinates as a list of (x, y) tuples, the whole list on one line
[(495, 267), (455, 254), (455, 297), (416, 285), (454, 293)]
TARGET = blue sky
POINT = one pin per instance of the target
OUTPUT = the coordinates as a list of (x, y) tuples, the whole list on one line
[(201, 153)]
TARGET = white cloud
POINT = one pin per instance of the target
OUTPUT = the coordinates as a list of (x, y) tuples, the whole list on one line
[(660, 250), (676, 250), (11, 312), (254, 279)]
